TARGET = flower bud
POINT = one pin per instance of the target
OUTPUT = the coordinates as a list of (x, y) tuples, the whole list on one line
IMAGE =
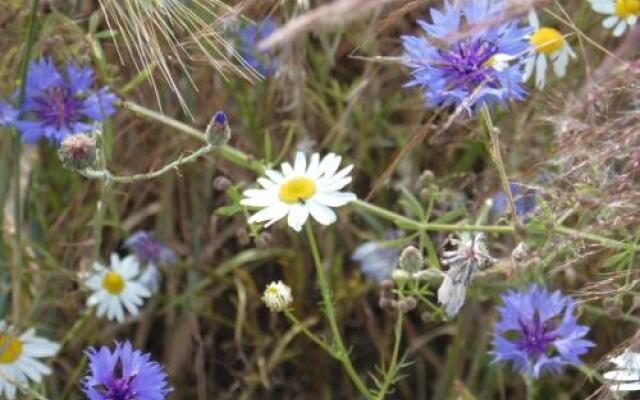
[(400, 276), (411, 259), (221, 183), (277, 296), (407, 304), (218, 132), (77, 151)]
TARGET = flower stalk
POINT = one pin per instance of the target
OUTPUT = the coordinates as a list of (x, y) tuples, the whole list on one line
[(340, 351)]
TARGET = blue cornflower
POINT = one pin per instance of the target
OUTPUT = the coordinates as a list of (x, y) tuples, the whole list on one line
[(523, 196), (249, 36), (480, 68), (538, 331), (60, 103), (150, 250), (8, 114), (377, 259), (124, 374)]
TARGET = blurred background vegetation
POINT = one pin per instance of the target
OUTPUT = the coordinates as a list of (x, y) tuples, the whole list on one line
[(575, 143)]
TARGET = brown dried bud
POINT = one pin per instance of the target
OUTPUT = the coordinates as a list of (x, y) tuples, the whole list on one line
[(387, 285), (78, 151), (221, 183), (264, 240), (407, 304)]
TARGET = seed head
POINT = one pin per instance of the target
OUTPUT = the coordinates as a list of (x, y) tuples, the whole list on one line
[(78, 151)]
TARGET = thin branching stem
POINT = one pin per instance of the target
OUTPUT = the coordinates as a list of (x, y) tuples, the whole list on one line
[(312, 336), (340, 349), (104, 174), (496, 156), (392, 372)]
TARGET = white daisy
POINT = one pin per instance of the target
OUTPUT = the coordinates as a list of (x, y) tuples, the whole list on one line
[(622, 14), (546, 42), (116, 287), (626, 376), (277, 296), (302, 190), (19, 356)]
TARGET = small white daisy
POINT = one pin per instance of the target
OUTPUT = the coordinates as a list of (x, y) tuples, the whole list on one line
[(277, 296), (299, 191), (19, 356), (626, 376), (546, 42), (622, 14), (116, 287)]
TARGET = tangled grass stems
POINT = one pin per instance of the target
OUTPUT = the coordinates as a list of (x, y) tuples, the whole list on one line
[(17, 151)]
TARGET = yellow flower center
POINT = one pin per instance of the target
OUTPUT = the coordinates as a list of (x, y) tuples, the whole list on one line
[(113, 283), (547, 40), (297, 189), (627, 8), (10, 349)]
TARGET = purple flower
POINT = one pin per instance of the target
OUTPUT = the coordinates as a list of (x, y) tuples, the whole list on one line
[(480, 68), (124, 374), (376, 259), (8, 114), (61, 103), (524, 197), (150, 250), (538, 331), (249, 36)]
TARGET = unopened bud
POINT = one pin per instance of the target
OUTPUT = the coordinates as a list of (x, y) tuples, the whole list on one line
[(426, 177), (400, 276), (77, 151), (387, 285), (263, 240), (218, 132), (411, 260), (408, 304), (221, 183), (520, 255)]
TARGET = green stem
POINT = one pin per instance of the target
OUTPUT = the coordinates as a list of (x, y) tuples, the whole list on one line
[(313, 337), (391, 374), (341, 352), (242, 159), (104, 174), (16, 271), (496, 155), (531, 388), (235, 156), (428, 226)]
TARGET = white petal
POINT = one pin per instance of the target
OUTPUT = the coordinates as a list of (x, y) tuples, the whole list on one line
[(632, 20), (298, 215), (323, 214), (287, 170), (610, 22), (529, 64), (534, 22), (334, 199), (314, 164), (268, 184), (300, 164), (561, 62), (275, 211), (625, 387), (620, 29), (258, 198), (603, 6), (541, 69), (275, 176), (622, 375)]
